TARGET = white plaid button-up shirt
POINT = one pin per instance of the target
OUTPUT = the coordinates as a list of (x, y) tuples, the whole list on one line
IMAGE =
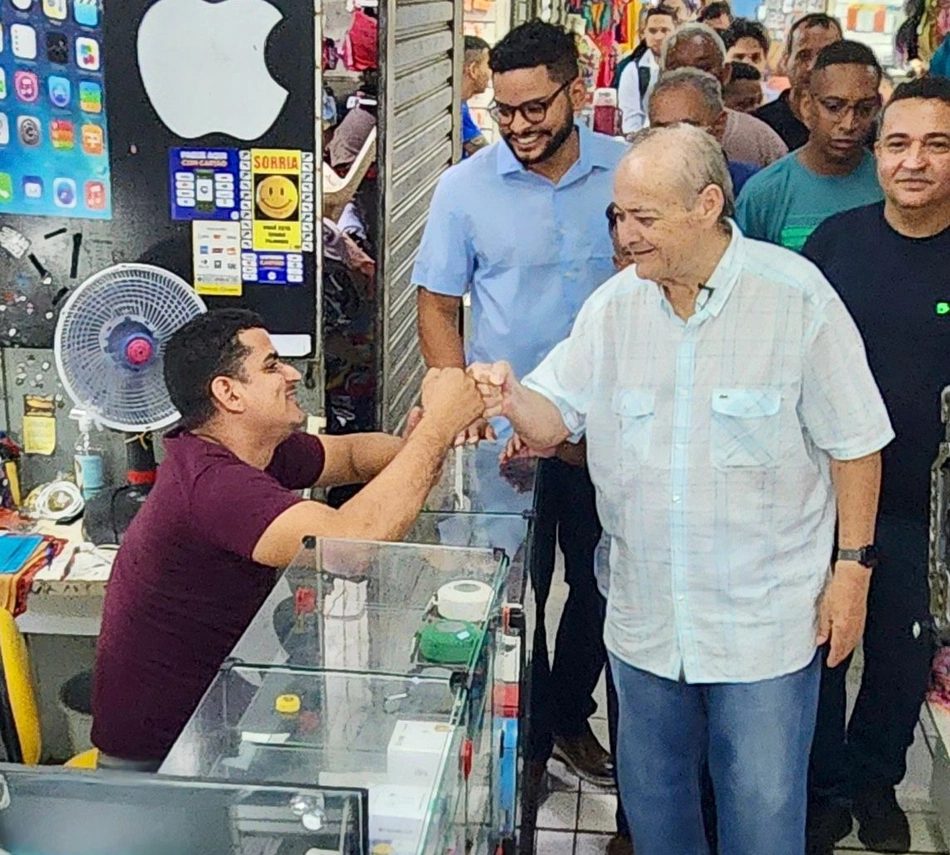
[(710, 444)]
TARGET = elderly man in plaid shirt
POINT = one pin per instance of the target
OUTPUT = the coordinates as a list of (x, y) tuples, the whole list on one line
[(731, 419)]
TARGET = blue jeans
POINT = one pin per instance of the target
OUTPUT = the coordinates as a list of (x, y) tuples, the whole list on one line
[(757, 738)]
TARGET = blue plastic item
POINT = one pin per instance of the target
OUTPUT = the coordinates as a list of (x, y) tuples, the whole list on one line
[(15, 549)]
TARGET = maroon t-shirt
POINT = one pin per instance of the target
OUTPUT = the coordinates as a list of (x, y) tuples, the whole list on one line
[(184, 587)]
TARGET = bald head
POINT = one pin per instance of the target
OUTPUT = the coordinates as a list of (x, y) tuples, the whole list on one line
[(672, 193), (682, 159)]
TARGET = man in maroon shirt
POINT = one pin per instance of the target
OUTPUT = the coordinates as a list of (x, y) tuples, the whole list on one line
[(198, 560)]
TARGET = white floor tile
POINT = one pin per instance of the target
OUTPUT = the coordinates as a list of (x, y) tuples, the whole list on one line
[(925, 836), (597, 812), (558, 811), (591, 844), (554, 843), (561, 779)]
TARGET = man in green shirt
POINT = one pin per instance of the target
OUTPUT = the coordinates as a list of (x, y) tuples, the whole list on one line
[(833, 171)]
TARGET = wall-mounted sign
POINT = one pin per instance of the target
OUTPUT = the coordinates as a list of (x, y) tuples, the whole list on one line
[(204, 184)]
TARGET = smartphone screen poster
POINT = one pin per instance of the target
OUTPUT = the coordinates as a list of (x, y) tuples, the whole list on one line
[(54, 151), (203, 184)]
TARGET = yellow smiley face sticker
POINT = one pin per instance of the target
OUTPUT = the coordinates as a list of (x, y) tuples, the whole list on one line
[(277, 197)]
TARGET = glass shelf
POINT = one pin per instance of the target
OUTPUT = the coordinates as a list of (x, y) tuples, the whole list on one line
[(48, 811), (401, 739), (367, 607)]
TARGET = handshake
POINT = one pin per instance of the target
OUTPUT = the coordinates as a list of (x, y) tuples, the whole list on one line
[(460, 403)]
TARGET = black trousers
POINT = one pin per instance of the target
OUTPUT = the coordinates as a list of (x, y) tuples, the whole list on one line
[(561, 693), (898, 647)]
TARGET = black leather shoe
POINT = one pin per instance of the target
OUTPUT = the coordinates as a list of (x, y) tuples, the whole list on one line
[(828, 822), (883, 825), (585, 757), (620, 845)]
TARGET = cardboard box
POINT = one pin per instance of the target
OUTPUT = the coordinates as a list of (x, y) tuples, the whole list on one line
[(416, 751)]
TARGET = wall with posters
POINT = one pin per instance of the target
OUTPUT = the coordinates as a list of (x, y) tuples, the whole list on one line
[(179, 133)]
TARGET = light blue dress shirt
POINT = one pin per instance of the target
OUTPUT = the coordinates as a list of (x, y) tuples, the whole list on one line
[(710, 443), (530, 251)]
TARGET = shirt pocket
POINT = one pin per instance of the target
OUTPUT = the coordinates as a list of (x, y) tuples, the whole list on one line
[(635, 409), (745, 428)]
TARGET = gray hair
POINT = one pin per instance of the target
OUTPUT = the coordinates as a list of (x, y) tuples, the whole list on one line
[(689, 31), (699, 160), (701, 82)]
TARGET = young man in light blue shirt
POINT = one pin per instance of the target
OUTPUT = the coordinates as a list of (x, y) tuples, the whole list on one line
[(833, 171), (521, 228)]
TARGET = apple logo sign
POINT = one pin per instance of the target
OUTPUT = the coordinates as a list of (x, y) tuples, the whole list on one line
[(203, 66)]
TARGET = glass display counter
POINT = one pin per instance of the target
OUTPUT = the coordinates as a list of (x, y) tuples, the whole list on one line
[(474, 481), (382, 667), (49, 811)]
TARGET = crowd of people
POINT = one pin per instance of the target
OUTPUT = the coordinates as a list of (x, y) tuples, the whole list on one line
[(736, 429)]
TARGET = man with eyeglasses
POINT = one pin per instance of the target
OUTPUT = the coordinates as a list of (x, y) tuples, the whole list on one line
[(833, 171), (520, 227), (888, 261)]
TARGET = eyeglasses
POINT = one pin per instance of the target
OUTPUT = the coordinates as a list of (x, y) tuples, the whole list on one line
[(533, 112)]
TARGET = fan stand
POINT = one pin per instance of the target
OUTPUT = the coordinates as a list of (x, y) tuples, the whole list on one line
[(108, 514)]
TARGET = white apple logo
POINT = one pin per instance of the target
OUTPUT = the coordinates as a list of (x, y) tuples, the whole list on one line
[(203, 66)]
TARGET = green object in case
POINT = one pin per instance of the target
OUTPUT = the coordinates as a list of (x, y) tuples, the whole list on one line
[(448, 642)]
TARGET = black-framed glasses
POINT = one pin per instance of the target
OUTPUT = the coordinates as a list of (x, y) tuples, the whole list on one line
[(533, 112)]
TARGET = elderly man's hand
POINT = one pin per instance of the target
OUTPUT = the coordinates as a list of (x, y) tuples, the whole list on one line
[(450, 399), (496, 382), (475, 433), (843, 610)]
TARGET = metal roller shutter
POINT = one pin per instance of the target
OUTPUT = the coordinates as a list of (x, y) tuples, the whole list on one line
[(420, 50)]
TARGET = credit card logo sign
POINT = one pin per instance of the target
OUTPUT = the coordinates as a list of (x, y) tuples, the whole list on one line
[(90, 97), (92, 139), (60, 90), (95, 194), (62, 134), (64, 191), (87, 54), (28, 130), (33, 187), (26, 85)]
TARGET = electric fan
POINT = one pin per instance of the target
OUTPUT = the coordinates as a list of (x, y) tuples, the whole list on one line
[(110, 339)]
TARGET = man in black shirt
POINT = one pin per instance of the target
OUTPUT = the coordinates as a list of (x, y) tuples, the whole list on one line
[(889, 264), (805, 41)]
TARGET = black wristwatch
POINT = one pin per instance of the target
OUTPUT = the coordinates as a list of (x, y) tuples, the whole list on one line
[(866, 556)]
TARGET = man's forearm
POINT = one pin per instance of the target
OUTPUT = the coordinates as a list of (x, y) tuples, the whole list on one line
[(535, 419), (439, 336), (857, 487), (388, 506), (371, 453)]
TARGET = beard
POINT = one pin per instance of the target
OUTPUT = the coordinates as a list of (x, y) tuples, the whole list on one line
[(558, 137)]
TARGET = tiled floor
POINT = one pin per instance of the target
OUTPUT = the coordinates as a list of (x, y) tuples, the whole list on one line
[(578, 819)]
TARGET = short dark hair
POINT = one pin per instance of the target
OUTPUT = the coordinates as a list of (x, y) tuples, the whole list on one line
[(657, 11), (847, 52), (924, 88), (476, 43), (537, 43), (713, 11), (744, 71), (809, 22), (369, 82), (743, 28), (204, 348)]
